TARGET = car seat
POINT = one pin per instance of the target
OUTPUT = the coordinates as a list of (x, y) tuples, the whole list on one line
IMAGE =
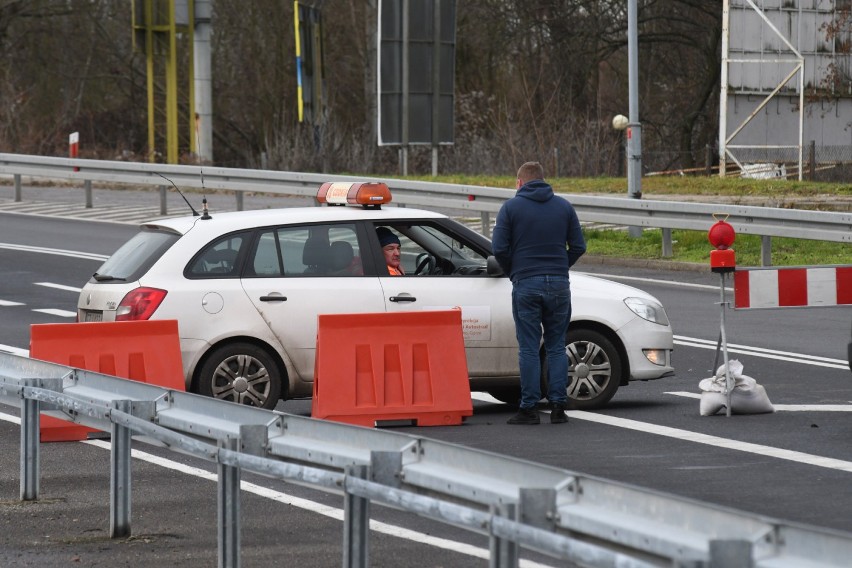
[(316, 256), (343, 260)]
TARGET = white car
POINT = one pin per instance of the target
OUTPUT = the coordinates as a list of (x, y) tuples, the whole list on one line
[(246, 289)]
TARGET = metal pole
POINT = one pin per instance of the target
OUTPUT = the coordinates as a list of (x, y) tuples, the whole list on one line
[(634, 128), (723, 98), (504, 552), (634, 132), (17, 178), (87, 185), (436, 84), (119, 479), (203, 80), (29, 446), (405, 89), (728, 381), (229, 510), (356, 524)]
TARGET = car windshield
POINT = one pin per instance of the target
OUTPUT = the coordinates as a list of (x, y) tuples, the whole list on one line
[(136, 256)]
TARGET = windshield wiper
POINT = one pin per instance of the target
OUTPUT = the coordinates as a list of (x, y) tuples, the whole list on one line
[(103, 277)]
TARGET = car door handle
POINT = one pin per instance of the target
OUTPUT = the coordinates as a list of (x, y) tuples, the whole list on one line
[(402, 299), (273, 298)]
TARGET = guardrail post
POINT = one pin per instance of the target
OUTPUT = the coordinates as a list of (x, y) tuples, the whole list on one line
[(725, 553), (239, 200), (17, 178), (668, 248), (812, 160), (119, 475), (485, 220), (164, 196), (356, 523), (87, 186), (229, 510), (765, 250), (30, 456), (503, 552)]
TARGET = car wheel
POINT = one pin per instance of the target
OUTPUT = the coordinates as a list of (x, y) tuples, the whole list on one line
[(594, 369), (241, 373)]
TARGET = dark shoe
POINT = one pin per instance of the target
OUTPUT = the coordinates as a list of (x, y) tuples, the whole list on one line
[(557, 414), (525, 416)]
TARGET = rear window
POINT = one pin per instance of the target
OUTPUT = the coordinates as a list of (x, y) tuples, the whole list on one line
[(136, 256)]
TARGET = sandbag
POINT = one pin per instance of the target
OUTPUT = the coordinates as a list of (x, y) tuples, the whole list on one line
[(747, 397)]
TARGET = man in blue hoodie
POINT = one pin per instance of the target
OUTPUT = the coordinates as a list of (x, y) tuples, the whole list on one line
[(536, 239)]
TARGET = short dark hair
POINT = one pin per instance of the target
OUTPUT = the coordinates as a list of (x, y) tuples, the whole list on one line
[(530, 171)]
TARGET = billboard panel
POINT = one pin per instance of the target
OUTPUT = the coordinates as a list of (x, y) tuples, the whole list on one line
[(416, 71)]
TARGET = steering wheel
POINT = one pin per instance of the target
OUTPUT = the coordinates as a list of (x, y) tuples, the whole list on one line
[(425, 264)]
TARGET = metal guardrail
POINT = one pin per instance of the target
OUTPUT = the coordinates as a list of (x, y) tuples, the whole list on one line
[(516, 503), (766, 222)]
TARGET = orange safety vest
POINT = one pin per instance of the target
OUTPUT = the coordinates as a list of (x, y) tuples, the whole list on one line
[(395, 271)]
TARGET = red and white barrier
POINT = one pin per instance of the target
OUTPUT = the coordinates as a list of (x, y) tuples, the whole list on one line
[(74, 147), (792, 287)]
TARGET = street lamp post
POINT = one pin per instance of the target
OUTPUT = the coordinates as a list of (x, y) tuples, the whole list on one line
[(634, 128)]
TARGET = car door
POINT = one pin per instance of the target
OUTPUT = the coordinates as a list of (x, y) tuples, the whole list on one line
[(456, 279), (296, 273)]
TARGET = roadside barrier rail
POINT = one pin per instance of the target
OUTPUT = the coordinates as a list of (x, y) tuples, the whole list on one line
[(766, 222), (516, 503)]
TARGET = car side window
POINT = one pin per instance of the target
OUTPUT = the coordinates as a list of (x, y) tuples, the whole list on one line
[(428, 249), (218, 259), (306, 251)]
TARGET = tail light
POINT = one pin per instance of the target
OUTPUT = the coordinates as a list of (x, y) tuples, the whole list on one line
[(139, 304)]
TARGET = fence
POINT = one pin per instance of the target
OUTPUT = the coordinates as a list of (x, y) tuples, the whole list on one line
[(517, 504), (767, 222)]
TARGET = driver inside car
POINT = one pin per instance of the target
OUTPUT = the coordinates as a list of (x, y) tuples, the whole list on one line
[(391, 249)]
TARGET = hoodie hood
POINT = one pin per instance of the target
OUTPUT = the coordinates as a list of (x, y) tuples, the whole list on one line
[(536, 190)]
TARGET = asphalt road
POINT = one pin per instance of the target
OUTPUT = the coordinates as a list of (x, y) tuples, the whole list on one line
[(793, 464)]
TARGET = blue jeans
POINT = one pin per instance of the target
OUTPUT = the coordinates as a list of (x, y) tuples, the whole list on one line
[(542, 303)]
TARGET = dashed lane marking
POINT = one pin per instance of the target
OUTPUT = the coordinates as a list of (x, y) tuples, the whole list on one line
[(59, 252), (56, 312), (59, 286)]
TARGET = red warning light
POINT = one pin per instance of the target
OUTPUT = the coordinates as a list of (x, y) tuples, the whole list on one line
[(722, 235)]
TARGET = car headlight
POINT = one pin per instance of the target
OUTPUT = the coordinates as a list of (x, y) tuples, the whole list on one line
[(646, 309)]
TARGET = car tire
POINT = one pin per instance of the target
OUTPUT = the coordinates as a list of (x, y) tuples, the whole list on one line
[(241, 373), (594, 369), (589, 387)]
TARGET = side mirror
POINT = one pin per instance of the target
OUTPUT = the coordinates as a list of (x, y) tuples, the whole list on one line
[(492, 267)]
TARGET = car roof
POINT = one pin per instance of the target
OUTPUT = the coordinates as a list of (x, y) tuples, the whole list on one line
[(227, 222)]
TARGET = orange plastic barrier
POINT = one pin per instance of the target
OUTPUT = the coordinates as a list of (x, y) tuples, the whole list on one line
[(145, 351), (391, 367)]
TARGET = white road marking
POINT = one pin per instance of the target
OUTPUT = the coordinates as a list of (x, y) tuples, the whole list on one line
[(785, 407), (56, 312), (58, 286), (655, 281), (7, 303), (60, 252), (789, 356), (14, 350), (716, 441), (698, 438)]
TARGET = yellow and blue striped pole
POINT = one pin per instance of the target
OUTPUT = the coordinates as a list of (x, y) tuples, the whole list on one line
[(300, 100)]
